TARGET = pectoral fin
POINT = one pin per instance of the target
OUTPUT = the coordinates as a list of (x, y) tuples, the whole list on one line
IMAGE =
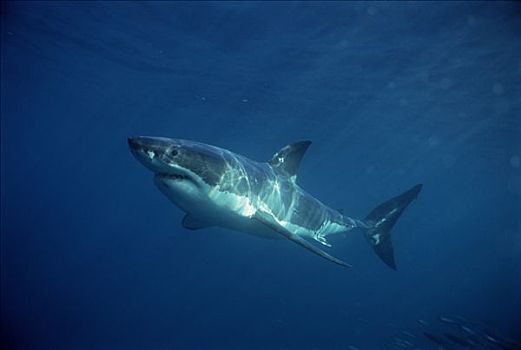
[(192, 223), (264, 220)]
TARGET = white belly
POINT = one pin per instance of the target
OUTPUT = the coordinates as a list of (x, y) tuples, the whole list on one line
[(216, 208)]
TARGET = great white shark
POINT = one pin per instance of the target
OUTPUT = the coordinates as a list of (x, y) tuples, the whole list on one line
[(216, 187)]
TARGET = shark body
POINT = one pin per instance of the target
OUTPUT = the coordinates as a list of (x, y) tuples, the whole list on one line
[(216, 187)]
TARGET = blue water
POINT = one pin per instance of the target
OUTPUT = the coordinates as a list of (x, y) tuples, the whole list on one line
[(93, 256)]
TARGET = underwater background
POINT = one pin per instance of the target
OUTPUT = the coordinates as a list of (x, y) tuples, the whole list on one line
[(392, 94)]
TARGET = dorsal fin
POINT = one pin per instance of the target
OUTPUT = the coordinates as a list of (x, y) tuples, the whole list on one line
[(287, 160)]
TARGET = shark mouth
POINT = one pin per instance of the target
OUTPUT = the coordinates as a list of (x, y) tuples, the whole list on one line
[(172, 176)]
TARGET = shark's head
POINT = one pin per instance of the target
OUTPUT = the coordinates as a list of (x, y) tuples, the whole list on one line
[(196, 177), (179, 162), (184, 171)]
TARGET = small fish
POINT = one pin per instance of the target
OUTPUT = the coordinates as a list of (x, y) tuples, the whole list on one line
[(500, 341), (438, 340), (449, 320), (352, 347), (472, 336), (462, 319), (409, 334), (402, 342), (468, 330), (458, 340), (280, 323), (424, 323)]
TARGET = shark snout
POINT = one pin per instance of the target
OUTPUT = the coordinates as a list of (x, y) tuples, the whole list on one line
[(147, 144), (143, 143), (146, 150), (155, 153), (132, 142)]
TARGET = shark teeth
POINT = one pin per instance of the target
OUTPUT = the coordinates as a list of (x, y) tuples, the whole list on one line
[(173, 176)]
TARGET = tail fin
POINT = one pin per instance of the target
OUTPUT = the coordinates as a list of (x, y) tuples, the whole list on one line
[(382, 219)]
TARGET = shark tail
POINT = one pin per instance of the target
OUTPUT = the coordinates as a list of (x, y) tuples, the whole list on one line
[(381, 220)]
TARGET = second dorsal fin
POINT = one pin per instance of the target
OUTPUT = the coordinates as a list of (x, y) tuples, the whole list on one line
[(287, 160)]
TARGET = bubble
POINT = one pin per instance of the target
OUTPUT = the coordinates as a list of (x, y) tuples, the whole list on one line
[(514, 184), (371, 11), (343, 43), (502, 105), (498, 89), (458, 62), (449, 160), (203, 98), (471, 21), (424, 75), (356, 69), (391, 85), (433, 141), (515, 161), (516, 238), (445, 83), (244, 100)]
